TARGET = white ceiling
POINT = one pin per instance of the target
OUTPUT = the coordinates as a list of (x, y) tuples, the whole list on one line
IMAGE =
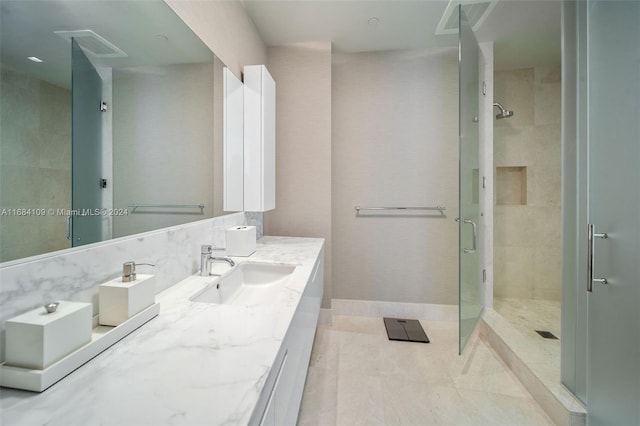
[(525, 32), (27, 29)]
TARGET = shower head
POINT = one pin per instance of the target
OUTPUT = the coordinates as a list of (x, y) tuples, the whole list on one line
[(504, 113)]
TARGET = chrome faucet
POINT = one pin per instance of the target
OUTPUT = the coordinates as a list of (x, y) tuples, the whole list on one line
[(206, 259), (205, 253), (221, 259)]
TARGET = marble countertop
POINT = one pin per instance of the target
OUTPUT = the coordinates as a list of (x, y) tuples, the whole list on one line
[(194, 364)]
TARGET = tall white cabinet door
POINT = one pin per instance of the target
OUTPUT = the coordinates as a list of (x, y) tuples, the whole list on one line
[(259, 139), (233, 137)]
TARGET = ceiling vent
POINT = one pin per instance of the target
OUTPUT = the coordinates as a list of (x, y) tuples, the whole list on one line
[(93, 43), (476, 11)]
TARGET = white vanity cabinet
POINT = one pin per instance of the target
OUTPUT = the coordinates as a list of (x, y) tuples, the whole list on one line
[(259, 139), (281, 396)]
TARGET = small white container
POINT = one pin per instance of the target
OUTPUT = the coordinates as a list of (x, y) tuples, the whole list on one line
[(241, 240), (118, 301), (37, 339)]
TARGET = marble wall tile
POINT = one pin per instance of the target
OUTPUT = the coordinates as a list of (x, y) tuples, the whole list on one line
[(548, 272), (546, 145), (514, 227), (514, 272), (532, 141), (513, 146), (75, 274), (35, 153), (515, 90), (547, 181), (547, 101), (548, 226)]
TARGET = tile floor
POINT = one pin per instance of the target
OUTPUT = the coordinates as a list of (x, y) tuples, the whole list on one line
[(526, 316), (530, 314), (358, 377)]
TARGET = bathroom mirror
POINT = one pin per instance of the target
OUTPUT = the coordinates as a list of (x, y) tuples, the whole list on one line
[(121, 136)]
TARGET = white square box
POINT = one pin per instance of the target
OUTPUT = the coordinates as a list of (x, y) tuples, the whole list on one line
[(241, 240), (37, 339), (120, 301)]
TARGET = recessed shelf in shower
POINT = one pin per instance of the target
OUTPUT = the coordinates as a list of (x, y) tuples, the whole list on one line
[(511, 185)]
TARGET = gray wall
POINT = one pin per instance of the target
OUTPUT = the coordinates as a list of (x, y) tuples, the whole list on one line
[(303, 154), (226, 28), (395, 125), (162, 121)]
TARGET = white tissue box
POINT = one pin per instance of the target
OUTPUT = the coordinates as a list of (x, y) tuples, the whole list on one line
[(37, 339), (120, 301), (241, 240)]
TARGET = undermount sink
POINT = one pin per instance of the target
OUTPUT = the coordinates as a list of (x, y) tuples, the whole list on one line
[(249, 283)]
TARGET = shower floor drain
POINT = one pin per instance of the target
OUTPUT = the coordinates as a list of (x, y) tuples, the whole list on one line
[(547, 334)]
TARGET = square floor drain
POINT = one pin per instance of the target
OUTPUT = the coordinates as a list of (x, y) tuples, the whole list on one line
[(547, 334), (406, 330)]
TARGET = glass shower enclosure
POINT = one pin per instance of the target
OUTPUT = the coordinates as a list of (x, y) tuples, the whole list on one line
[(84, 224), (470, 301)]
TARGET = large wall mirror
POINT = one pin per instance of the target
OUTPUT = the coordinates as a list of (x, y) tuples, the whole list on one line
[(111, 123)]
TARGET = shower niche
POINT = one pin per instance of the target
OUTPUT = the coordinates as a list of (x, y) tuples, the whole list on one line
[(511, 185)]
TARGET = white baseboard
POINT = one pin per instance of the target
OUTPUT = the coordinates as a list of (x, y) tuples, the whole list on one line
[(374, 308)]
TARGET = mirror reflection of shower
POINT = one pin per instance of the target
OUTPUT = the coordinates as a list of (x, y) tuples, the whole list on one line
[(504, 113)]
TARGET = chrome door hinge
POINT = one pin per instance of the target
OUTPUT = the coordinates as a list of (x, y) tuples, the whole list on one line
[(484, 88), (484, 275)]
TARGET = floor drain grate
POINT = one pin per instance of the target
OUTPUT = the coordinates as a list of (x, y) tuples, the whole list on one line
[(547, 334), (405, 330)]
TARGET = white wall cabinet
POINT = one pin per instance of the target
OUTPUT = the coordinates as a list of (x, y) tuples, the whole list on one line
[(259, 139), (233, 142)]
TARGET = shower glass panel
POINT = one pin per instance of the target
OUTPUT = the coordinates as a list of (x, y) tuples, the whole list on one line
[(86, 148), (613, 328), (470, 303)]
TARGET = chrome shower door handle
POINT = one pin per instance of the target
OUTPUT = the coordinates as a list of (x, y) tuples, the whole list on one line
[(473, 236), (590, 251)]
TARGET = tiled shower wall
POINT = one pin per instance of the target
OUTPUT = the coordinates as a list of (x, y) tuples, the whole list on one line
[(527, 171), (35, 164)]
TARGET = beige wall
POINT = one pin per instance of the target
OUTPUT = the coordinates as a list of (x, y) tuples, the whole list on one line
[(395, 125), (527, 260), (35, 170), (303, 146), (163, 130), (224, 26)]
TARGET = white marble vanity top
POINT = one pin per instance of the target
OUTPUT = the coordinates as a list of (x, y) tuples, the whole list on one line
[(194, 364)]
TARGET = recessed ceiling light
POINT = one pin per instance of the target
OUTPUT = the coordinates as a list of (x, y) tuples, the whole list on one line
[(35, 59), (373, 21)]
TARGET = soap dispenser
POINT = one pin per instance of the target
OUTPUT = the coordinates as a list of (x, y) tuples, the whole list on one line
[(129, 270), (126, 296)]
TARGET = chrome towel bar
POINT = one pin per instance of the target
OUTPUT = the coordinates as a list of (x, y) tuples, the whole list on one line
[(436, 208), (400, 211), (167, 206)]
